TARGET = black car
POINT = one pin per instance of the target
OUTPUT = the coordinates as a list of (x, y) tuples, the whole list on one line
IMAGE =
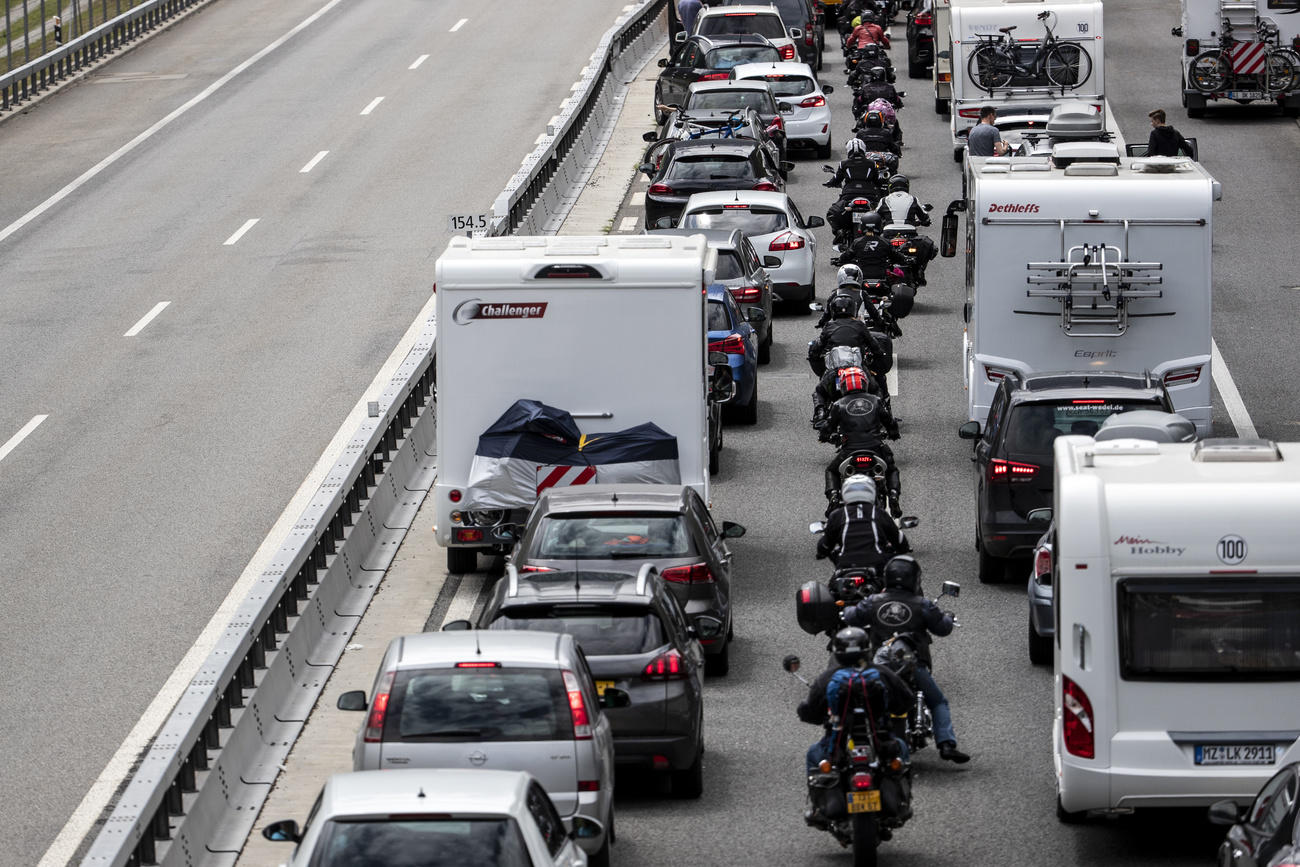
[(636, 639), (678, 169), (706, 58), (806, 15), (920, 38), (1266, 834), (1013, 452)]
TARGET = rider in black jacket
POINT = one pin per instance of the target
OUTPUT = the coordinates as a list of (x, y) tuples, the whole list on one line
[(856, 176), (859, 534), (859, 421), (902, 609), (844, 329), (874, 255), (876, 136)]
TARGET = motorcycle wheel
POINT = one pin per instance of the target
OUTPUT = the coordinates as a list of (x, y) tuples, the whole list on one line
[(865, 840)]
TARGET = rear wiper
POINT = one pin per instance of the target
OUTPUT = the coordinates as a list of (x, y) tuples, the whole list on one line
[(454, 733), (722, 178)]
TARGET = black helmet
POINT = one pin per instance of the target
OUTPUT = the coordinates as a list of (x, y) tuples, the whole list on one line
[(870, 222), (903, 573), (900, 184), (850, 645), (877, 73), (841, 306)]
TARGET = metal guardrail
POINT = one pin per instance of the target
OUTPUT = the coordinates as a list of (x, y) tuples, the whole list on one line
[(25, 82), (198, 789)]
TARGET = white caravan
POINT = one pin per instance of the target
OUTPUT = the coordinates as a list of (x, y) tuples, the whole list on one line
[(1025, 83), (941, 72), (611, 329), (1177, 649), (1087, 266), (1240, 51)]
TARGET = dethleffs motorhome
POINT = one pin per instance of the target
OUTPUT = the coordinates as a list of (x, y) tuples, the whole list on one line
[(609, 329), (1240, 51), (1031, 78), (1088, 266), (1177, 609)]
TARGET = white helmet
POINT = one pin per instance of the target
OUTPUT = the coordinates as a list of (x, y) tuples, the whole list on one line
[(855, 147), (858, 489), (849, 275)]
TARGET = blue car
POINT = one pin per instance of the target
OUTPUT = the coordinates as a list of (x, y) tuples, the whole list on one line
[(731, 331)]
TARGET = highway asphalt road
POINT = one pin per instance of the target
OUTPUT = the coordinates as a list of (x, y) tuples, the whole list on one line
[(130, 510)]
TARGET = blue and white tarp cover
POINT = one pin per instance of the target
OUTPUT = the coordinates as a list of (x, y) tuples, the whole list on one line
[(532, 447)]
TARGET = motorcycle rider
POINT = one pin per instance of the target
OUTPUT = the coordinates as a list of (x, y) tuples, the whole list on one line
[(860, 421), (848, 281), (876, 86), (902, 609), (844, 329), (871, 253), (913, 212), (866, 32), (857, 176), (859, 534), (875, 136), (827, 390)]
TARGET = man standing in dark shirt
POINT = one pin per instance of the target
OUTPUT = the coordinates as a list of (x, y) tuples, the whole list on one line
[(1165, 141)]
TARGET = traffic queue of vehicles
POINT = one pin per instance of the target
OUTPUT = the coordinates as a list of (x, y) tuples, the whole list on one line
[(1154, 607)]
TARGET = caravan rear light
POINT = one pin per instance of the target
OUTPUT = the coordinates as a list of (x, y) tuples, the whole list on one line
[(660, 190), (1193, 47), (1011, 471), (1183, 375), (454, 495), (787, 52), (733, 344), (968, 112), (766, 187), (1079, 738), (786, 241), (577, 707), (945, 76), (746, 294), (813, 102), (696, 573), (378, 708), (468, 534)]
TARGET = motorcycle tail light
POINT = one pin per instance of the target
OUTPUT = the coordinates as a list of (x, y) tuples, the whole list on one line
[(860, 782)]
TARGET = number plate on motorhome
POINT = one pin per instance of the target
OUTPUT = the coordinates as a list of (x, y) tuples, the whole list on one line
[(864, 802), (1245, 94), (1235, 754)]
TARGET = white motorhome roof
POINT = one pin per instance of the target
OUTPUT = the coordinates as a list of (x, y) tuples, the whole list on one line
[(634, 261), (1149, 189)]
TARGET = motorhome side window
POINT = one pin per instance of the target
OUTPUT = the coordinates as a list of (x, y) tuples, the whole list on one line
[(1209, 630)]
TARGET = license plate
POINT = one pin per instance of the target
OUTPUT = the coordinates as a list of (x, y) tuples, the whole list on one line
[(1235, 754), (864, 802), (1245, 94), (602, 685)]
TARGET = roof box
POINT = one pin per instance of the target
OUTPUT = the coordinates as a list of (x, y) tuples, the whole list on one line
[(1227, 450), (1075, 120), (1147, 424)]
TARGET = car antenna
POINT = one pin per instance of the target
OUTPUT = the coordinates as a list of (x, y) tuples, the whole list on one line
[(420, 794), (478, 651)]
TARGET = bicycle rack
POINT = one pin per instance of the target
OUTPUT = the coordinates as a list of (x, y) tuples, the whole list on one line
[(1094, 283)]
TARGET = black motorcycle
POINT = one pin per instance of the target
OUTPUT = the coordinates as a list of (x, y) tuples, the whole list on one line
[(899, 653)]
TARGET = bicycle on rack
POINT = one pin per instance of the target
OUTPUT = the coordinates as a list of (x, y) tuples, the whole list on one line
[(1213, 70), (998, 59)]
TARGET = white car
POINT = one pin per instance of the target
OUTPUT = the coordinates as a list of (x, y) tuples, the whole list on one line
[(809, 123), (740, 20), (774, 227), (432, 818)]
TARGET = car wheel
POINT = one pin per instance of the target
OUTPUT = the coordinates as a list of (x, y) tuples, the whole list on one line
[(1040, 648), (462, 560), (718, 664), (992, 569), (748, 414), (765, 349), (1065, 816), (689, 784), (819, 61), (600, 858)]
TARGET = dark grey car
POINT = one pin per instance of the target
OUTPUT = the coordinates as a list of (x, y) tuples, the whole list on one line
[(618, 528), (637, 640)]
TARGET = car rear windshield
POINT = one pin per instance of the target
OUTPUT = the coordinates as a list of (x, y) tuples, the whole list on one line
[(421, 842), (1032, 427), (601, 633), (734, 55), (751, 221), (478, 704), (711, 167), (621, 536), (729, 267), (718, 318), (793, 12), (732, 100), (740, 23), (1228, 630), (789, 85)]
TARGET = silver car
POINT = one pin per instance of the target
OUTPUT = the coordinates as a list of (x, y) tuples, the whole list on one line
[(520, 701)]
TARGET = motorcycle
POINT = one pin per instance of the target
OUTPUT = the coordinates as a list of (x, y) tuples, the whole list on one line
[(914, 249), (899, 653)]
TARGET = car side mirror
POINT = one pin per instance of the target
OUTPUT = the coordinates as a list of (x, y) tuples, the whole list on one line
[(283, 831), (755, 314), (665, 222), (814, 222), (796, 33), (586, 829), (613, 697), (1039, 519), (650, 136), (1224, 813), (457, 626), (680, 37), (907, 522), (817, 527), (828, 89), (731, 530), (646, 168), (353, 699), (790, 663), (969, 431), (950, 588), (784, 107), (663, 62), (786, 167), (722, 389), (948, 236), (771, 261), (816, 307)]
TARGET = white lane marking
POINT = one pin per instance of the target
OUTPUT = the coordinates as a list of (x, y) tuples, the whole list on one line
[(21, 435), (311, 164), (418, 61), (628, 224), (234, 239), (119, 766), (147, 318), (462, 604), (374, 103), (459, 24), (149, 133), (1228, 391)]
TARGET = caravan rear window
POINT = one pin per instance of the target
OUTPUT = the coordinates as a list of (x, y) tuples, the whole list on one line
[(1209, 630), (1032, 427)]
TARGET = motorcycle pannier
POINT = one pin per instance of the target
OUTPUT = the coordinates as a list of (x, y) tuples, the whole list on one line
[(815, 608)]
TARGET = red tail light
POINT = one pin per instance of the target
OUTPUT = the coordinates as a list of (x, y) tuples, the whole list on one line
[(468, 534), (665, 666), (454, 495), (924, 21), (778, 122), (1043, 565), (588, 785), (733, 344), (1011, 471), (786, 241), (660, 190), (861, 203), (1183, 375), (747, 294), (478, 665), (860, 782), (1193, 47), (766, 187), (1077, 719), (577, 708), (536, 569), (696, 573), (808, 34), (787, 52), (968, 112), (378, 708), (715, 76), (994, 374), (813, 102)]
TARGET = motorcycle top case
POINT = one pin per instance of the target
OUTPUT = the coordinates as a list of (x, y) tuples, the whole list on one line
[(815, 608)]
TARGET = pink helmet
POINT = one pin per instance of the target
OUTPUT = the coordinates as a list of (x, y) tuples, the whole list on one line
[(885, 107)]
